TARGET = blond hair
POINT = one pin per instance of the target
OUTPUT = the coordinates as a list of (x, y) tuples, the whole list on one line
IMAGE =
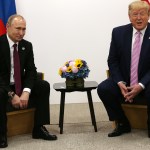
[(139, 5)]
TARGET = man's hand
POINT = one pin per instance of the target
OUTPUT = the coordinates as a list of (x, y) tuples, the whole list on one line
[(24, 98), (123, 88), (132, 92), (16, 101)]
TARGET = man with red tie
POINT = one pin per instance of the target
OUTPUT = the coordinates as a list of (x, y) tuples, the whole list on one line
[(129, 65), (21, 87)]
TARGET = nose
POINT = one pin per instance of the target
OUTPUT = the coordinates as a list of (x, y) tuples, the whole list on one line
[(21, 32), (139, 16)]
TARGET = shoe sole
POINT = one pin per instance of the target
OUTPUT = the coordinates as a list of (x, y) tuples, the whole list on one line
[(119, 134), (44, 138)]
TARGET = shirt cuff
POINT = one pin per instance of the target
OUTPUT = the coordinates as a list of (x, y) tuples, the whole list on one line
[(27, 90), (143, 87), (122, 82)]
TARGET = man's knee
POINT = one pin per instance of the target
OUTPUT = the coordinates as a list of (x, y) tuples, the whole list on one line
[(108, 87), (103, 87), (42, 86), (102, 90)]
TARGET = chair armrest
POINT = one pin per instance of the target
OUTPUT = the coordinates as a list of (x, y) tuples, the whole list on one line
[(40, 75)]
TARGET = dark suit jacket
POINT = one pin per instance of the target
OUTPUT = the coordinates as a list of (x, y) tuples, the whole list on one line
[(119, 59), (28, 69)]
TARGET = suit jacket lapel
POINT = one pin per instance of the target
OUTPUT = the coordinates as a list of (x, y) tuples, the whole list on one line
[(6, 48), (21, 51), (145, 47), (128, 46)]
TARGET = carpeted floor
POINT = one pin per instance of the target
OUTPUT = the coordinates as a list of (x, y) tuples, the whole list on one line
[(79, 133)]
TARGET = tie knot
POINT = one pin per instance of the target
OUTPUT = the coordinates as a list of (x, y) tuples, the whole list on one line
[(138, 33), (15, 45), (137, 36)]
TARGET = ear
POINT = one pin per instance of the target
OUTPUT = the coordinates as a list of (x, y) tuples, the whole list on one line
[(7, 26), (130, 18)]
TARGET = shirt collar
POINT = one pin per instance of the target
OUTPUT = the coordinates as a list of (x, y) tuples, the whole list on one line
[(142, 31), (11, 43)]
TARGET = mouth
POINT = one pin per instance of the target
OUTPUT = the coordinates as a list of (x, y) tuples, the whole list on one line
[(19, 37), (139, 23)]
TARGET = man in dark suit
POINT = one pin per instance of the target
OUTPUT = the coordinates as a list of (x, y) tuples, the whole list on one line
[(33, 91), (119, 87)]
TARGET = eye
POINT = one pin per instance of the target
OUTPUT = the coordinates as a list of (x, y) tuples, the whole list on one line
[(135, 14)]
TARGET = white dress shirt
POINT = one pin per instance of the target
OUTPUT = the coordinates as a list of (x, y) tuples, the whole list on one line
[(133, 39), (12, 82)]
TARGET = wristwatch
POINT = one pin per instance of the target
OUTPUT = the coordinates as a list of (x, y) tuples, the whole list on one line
[(11, 95)]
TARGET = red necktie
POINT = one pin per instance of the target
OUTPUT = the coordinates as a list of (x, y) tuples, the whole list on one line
[(135, 59), (17, 76)]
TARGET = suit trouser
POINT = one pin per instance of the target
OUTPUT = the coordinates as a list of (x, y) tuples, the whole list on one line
[(39, 98), (110, 94)]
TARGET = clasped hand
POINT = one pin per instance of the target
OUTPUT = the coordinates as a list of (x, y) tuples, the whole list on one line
[(20, 102), (129, 92)]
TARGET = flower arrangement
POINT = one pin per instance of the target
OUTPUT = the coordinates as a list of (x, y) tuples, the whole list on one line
[(74, 69)]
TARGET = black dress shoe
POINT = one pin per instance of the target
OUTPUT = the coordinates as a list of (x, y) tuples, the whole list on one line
[(120, 129), (42, 133), (3, 141)]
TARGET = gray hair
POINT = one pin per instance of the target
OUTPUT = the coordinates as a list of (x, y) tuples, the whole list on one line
[(11, 18)]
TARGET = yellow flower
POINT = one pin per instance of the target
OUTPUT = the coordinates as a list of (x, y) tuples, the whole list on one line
[(60, 72), (78, 63), (69, 69)]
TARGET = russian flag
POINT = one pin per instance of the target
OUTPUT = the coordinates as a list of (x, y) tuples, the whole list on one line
[(7, 8)]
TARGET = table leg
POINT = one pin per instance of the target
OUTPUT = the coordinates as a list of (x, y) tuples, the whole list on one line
[(92, 109), (61, 114)]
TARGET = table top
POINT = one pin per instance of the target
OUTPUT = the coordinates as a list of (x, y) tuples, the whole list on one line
[(88, 85)]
